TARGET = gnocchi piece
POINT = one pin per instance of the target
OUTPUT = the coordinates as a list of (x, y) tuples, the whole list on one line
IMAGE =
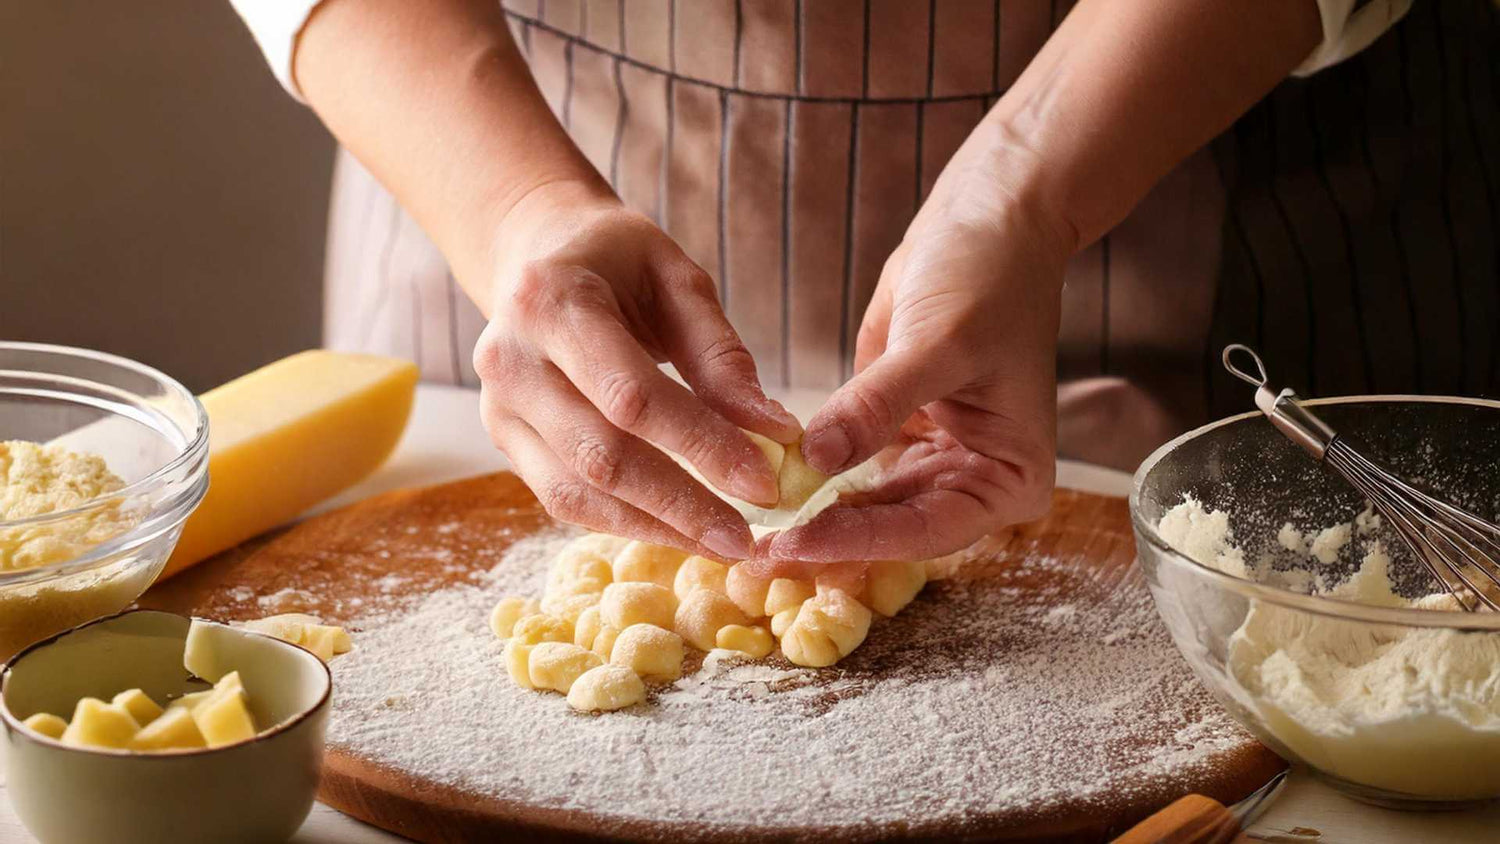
[(517, 659), (699, 573), (605, 689), (752, 641), (630, 603), (642, 562), (46, 724), (510, 610), (649, 651), (540, 627), (699, 618), (555, 665), (797, 480), (785, 593), (596, 545), (891, 585), (586, 627), (99, 724), (782, 620), (567, 580), (828, 627), (747, 592), (604, 643), (571, 606), (774, 451)]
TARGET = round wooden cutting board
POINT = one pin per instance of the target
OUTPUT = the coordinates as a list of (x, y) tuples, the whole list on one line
[(339, 566)]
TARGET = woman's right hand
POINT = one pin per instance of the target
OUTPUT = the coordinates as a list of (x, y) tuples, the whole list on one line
[(587, 299)]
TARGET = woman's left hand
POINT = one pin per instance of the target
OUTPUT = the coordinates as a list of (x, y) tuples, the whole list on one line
[(955, 383)]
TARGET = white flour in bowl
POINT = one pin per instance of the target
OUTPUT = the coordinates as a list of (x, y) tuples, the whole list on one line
[(1407, 709), (984, 701)]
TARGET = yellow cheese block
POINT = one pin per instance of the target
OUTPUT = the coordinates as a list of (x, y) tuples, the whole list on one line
[(47, 724), (224, 719), (139, 704), (289, 435), (99, 724), (174, 729)]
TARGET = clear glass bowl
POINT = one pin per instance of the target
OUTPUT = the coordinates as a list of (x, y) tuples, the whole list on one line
[(1419, 755), (153, 434)]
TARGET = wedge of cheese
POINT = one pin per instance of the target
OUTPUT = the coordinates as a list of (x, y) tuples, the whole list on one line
[(289, 435)]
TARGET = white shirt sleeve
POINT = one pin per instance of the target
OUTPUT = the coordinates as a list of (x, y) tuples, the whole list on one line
[(276, 25), (1347, 30)]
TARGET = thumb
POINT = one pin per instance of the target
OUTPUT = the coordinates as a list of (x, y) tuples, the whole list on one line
[(865, 414)]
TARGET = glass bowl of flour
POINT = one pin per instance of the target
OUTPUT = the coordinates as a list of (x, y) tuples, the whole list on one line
[(101, 461), (1308, 618)]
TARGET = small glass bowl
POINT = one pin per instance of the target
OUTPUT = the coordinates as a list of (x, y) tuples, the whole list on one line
[(1241, 465), (153, 434)]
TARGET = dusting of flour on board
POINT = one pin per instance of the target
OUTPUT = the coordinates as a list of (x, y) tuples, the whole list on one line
[(983, 699)]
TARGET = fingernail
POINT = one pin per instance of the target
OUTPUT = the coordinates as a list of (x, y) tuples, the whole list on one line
[(754, 484), (829, 449), (727, 543), (783, 416)]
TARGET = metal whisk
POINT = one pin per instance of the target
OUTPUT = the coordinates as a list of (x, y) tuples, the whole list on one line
[(1458, 548)]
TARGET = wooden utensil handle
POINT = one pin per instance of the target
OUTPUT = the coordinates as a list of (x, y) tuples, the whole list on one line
[(1194, 819)]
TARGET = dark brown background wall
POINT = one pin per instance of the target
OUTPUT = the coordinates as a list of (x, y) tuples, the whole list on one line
[(160, 196)]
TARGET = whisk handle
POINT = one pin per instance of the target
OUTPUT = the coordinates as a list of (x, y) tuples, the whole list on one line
[(1293, 420)]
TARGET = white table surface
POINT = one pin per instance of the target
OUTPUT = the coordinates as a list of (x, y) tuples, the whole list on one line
[(445, 441)]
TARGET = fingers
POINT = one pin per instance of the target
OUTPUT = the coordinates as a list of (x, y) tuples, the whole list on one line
[(582, 334), (569, 498), (931, 507), (865, 414), (700, 342), (626, 467)]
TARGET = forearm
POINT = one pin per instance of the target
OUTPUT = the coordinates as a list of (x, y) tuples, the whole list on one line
[(1122, 92), (434, 97)]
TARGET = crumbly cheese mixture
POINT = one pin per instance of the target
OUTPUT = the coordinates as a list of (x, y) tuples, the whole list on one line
[(1413, 710), (39, 479)]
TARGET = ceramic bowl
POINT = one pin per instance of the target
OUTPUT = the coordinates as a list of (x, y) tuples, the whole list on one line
[(259, 790), (151, 431), (1415, 758)]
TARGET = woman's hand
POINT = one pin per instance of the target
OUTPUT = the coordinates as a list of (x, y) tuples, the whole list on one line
[(588, 297), (956, 378)]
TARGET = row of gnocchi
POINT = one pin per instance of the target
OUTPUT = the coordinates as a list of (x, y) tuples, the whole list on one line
[(616, 614)]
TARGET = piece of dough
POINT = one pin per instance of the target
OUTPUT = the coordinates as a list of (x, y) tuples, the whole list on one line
[(747, 592), (605, 689), (699, 573), (604, 643), (642, 562), (625, 604), (600, 545), (891, 585), (651, 652), (752, 641), (785, 593), (517, 659), (577, 573), (829, 626), (571, 606), (797, 481), (699, 618), (540, 627), (555, 665), (510, 610), (782, 620), (586, 627)]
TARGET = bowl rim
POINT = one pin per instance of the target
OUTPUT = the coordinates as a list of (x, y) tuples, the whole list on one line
[(1319, 604), (196, 450), (13, 723)]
